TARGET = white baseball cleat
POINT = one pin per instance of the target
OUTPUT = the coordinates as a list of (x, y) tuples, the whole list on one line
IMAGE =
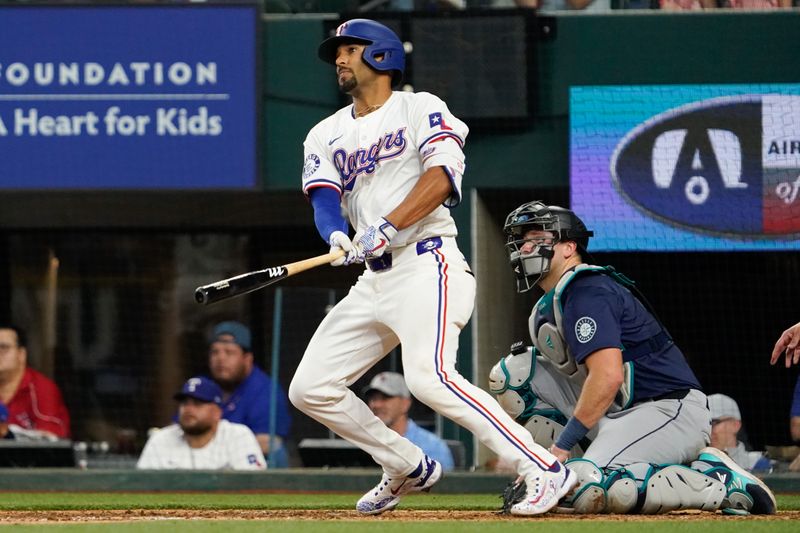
[(544, 490), (386, 494)]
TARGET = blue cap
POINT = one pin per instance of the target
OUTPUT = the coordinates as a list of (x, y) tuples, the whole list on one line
[(200, 388), (3, 412), (237, 330)]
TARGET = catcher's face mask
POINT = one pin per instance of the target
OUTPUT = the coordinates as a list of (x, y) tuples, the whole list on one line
[(530, 256), (533, 229)]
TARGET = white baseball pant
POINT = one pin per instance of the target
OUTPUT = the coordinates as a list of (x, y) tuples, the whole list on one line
[(422, 302)]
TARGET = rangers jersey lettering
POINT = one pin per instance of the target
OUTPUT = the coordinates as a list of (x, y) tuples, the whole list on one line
[(350, 165), (374, 161)]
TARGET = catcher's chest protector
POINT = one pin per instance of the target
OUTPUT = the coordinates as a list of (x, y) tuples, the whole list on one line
[(547, 333)]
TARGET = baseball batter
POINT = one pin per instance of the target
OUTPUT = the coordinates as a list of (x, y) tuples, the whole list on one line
[(602, 358), (393, 162)]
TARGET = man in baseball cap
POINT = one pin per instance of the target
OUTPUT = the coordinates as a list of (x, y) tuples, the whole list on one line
[(726, 423), (247, 391), (202, 389), (388, 397), (235, 332), (202, 439)]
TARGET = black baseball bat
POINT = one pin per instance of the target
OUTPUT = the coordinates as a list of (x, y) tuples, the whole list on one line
[(258, 279)]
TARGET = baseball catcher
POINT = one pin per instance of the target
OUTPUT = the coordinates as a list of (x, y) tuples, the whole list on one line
[(603, 360)]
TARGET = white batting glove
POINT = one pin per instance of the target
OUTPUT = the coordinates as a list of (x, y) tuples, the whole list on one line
[(375, 239), (339, 241)]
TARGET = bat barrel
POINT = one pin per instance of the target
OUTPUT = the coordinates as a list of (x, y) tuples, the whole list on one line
[(251, 281)]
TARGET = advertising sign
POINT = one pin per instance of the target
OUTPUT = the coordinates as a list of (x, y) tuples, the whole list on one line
[(128, 97), (709, 167)]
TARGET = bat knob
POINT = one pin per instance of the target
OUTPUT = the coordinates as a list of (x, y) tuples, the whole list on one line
[(200, 296)]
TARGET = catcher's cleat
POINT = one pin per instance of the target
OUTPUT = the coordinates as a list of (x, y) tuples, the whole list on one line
[(745, 491), (386, 494), (544, 490)]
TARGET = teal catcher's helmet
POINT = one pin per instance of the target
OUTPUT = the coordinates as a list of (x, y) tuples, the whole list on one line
[(380, 41)]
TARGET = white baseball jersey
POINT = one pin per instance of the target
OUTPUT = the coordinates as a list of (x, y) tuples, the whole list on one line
[(234, 447), (374, 161)]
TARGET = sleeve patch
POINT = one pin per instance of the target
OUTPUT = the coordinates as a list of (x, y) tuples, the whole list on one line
[(585, 329), (437, 120), (310, 165)]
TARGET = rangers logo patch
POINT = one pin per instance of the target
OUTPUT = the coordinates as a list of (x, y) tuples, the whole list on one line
[(310, 166), (585, 328)]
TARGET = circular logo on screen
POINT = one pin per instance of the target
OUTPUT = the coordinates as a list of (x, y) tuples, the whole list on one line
[(310, 166), (585, 328)]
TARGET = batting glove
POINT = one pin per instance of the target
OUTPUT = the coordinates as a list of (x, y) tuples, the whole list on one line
[(375, 239), (339, 241)]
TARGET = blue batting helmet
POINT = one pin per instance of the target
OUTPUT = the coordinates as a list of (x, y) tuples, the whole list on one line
[(379, 39)]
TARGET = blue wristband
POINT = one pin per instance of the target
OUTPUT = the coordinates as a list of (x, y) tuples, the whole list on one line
[(573, 432)]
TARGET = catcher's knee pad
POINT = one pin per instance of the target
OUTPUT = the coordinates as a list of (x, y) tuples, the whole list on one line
[(668, 488), (510, 379), (589, 495), (622, 493)]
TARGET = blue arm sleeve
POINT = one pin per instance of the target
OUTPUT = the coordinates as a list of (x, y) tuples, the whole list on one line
[(327, 213)]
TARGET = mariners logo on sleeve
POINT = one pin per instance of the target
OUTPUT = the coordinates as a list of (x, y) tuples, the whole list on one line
[(437, 120), (585, 329), (311, 165)]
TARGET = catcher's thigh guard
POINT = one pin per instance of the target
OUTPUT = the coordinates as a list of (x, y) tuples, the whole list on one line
[(679, 487), (544, 430)]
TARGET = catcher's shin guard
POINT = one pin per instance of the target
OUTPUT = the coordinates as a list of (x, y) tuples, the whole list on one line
[(622, 491), (673, 487)]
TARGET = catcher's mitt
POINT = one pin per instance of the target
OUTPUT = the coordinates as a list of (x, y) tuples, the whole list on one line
[(513, 493)]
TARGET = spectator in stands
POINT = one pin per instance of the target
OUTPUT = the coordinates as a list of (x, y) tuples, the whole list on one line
[(201, 440), (390, 400), (549, 6), (726, 423), (794, 423), (426, 5), (687, 5), (247, 390), (794, 414), (34, 401), (4, 432), (756, 4), (13, 431), (788, 344)]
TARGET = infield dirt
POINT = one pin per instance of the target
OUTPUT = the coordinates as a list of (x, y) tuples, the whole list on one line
[(135, 515)]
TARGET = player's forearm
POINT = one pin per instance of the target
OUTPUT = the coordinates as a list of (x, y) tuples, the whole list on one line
[(596, 398), (603, 381), (432, 189)]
